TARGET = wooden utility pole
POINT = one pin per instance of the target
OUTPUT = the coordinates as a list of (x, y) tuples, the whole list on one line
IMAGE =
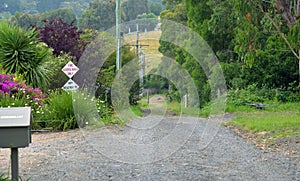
[(141, 58)]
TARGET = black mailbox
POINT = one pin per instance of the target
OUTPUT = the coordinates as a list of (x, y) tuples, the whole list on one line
[(15, 131)]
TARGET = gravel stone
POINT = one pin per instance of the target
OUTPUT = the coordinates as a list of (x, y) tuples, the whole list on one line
[(64, 156)]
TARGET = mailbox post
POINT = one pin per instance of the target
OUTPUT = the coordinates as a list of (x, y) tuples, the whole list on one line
[(15, 132)]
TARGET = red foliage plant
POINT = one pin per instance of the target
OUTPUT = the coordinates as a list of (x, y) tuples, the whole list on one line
[(62, 37)]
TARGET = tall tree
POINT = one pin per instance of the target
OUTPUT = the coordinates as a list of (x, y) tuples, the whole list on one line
[(44, 5), (178, 11), (11, 6), (133, 8), (289, 10), (262, 24), (100, 15), (62, 36), (26, 20), (155, 7)]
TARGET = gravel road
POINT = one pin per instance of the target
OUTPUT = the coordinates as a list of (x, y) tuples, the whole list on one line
[(82, 155)]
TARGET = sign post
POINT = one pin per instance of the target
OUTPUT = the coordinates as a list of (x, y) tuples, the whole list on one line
[(70, 69)]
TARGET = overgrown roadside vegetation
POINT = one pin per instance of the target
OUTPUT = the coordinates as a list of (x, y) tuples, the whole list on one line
[(264, 116), (268, 124)]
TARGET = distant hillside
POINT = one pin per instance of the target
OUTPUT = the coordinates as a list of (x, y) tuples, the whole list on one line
[(151, 38)]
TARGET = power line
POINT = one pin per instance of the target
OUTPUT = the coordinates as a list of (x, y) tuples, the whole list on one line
[(141, 58)]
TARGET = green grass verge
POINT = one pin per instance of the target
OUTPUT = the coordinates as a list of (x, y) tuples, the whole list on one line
[(179, 109), (273, 122), (136, 110), (173, 107), (3, 178), (276, 121), (279, 120)]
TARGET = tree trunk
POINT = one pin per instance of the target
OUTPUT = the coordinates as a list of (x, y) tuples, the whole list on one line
[(283, 6), (299, 61)]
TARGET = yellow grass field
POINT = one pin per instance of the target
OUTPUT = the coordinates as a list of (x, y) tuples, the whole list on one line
[(151, 38)]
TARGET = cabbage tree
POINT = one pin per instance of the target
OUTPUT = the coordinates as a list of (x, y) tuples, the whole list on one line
[(22, 53)]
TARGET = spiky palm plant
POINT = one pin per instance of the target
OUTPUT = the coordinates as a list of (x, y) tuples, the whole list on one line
[(21, 52)]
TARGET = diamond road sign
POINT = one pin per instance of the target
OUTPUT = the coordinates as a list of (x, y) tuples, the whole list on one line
[(70, 85), (70, 69)]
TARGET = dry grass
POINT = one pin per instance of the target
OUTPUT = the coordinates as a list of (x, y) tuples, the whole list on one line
[(151, 38)]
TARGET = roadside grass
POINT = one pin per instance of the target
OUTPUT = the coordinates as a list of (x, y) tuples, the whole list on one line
[(280, 124), (136, 110), (179, 109), (279, 121), (3, 178), (275, 121), (174, 108)]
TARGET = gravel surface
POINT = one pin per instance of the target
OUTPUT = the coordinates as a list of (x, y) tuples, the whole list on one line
[(84, 155)]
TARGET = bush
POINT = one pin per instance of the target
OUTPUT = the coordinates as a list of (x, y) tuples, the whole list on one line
[(251, 95), (58, 112), (65, 110), (14, 93), (56, 75), (62, 37), (22, 53)]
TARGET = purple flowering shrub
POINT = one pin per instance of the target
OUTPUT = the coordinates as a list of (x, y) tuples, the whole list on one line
[(14, 93)]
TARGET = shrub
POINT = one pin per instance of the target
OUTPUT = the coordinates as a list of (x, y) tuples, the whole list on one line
[(62, 37), (252, 94), (15, 93), (91, 111), (54, 65), (22, 53), (65, 110), (57, 114)]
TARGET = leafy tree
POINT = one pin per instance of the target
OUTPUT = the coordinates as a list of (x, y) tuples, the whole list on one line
[(22, 53), (65, 14), (44, 5), (99, 16), (132, 8), (257, 44), (155, 7), (5, 15), (28, 6), (27, 20), (11, 6), (77, 6), (171, 4), (62, 37), (147, 21)]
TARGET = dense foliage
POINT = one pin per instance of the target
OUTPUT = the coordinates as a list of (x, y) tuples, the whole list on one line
[(62, 37), (256, 42), (15, 93), (132, 8), (10, 6), (99, 15), (21, 52), (26, 20)]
